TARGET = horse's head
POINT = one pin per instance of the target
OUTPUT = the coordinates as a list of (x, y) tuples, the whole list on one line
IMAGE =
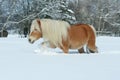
[(35, 31)]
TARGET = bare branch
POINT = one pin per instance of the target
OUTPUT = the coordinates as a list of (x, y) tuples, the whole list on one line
[(27, 18)]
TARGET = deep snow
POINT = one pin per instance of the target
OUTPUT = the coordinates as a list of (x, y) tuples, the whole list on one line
[(20, 61)]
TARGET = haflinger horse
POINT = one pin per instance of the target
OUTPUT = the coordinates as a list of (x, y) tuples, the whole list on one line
[(63, 35)]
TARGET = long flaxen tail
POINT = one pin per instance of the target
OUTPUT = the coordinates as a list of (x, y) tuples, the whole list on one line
[(92, 40)]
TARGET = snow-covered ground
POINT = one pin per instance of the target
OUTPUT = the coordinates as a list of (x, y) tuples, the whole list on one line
[(20, 60)]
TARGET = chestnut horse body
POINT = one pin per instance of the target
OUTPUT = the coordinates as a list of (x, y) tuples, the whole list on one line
[(63, 35)]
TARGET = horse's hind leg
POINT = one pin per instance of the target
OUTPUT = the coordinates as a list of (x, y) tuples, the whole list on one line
[(91, 51), (92, 48), (81, 50)]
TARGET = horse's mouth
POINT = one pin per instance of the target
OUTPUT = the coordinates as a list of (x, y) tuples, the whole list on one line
[(31, 42)]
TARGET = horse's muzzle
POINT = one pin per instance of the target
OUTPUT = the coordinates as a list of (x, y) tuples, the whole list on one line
[(30, 41)]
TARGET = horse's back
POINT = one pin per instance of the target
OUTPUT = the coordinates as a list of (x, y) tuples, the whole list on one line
[(81, 30)]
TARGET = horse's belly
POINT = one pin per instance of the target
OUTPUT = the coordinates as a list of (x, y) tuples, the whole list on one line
[(77, 41), (76, 45)]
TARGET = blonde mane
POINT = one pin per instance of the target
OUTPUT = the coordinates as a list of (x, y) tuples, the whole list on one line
[(54, 30)]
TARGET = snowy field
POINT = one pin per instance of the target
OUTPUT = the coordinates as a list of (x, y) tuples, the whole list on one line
[(20, 60)]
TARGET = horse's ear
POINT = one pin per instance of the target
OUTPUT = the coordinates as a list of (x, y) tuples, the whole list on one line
[(38, 21)]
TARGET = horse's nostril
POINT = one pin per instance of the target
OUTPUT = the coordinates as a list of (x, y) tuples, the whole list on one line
[(29, 40)]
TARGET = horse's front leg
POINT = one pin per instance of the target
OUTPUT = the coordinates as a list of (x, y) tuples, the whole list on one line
[(52, 45), (64, 49), (45, 44), (48, 44), (65, 46)]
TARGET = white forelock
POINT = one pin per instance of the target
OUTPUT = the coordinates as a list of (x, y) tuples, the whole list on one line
[(34, 25)]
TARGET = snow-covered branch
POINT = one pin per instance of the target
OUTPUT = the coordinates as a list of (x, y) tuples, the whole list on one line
[(11, 12)]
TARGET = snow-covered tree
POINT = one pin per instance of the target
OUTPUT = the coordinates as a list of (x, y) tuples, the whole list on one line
[(58, 10), (103, 14)]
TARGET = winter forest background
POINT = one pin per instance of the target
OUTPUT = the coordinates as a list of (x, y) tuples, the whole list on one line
[(104, 15)]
